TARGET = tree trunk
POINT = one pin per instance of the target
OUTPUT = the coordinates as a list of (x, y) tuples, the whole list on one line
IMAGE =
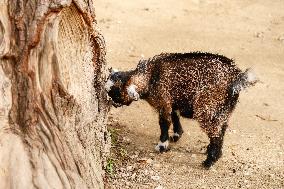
[(52, 103)]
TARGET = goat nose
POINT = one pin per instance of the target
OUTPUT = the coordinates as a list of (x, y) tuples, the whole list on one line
[(136, 96)]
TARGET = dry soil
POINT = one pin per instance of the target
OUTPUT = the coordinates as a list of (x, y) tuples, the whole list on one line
[(252, 33)]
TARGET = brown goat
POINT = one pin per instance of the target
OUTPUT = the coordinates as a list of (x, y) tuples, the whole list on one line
[(201, 86)]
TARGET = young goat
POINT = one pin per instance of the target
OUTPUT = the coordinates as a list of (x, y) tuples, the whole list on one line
[(201, 86)]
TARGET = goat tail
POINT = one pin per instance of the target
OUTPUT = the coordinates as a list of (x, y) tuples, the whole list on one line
[(243, 81)]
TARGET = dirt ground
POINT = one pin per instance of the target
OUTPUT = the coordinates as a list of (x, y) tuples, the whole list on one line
[(252, 33)]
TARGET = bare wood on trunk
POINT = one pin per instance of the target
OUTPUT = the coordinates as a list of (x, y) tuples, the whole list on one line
[(52, 103)]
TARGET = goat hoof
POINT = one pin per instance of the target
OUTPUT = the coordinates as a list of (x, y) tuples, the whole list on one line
[(175, 137), (207, 164), (162, 146), (163, 149)]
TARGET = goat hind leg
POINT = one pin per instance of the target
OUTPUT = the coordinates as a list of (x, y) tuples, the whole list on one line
[(214, 149)]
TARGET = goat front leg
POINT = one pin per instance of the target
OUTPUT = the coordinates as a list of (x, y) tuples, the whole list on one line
[(178, 131), (165, 122)]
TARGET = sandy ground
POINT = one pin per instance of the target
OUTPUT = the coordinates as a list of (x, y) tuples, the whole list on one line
[(252, 33)]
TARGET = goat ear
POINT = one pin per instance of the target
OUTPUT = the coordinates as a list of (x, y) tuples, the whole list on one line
[(108, 85), (131, 90), (109, 69)]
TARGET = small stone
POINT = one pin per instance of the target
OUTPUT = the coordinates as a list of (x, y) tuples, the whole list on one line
[(146, 172), (213, 169), (134, 156), (159, 187), (129, 168), (133, 176), (157, 165), (188, 150), (281, 38), (156, 177), (259, 34), (232, 131), (247, 173), (149, 161)]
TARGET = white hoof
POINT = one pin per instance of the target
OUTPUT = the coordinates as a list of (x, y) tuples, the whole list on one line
[(176, 135), (162, 146)]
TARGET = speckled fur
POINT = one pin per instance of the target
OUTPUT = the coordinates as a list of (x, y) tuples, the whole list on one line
[(201, 86)]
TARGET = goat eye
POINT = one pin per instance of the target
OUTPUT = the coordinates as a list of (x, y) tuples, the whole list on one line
[(114, 92)]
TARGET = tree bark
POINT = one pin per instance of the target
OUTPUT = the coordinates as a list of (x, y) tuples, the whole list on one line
[(53, 105)]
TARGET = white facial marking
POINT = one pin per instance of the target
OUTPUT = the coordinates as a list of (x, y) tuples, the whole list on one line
[(131, 90), (162, 144), (113, 70), (108, 85)]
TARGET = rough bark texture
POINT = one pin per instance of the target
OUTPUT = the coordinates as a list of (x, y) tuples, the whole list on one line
[(52, 103)]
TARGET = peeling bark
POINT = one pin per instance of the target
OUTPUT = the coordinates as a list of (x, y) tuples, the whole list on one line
[(52, 103)]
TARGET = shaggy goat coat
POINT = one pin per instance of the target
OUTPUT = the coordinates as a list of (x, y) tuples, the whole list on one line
[(201, 86)]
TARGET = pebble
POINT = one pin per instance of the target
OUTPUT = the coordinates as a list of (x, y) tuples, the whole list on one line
[(281, 38), (134, 156), (156, 177), (188, 150), (157, 165), (146, 172), (232, 131), (129, 168), (126, 139), (159, 187), (247, 173), (259, 34), (133, 176), (149, 161)]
